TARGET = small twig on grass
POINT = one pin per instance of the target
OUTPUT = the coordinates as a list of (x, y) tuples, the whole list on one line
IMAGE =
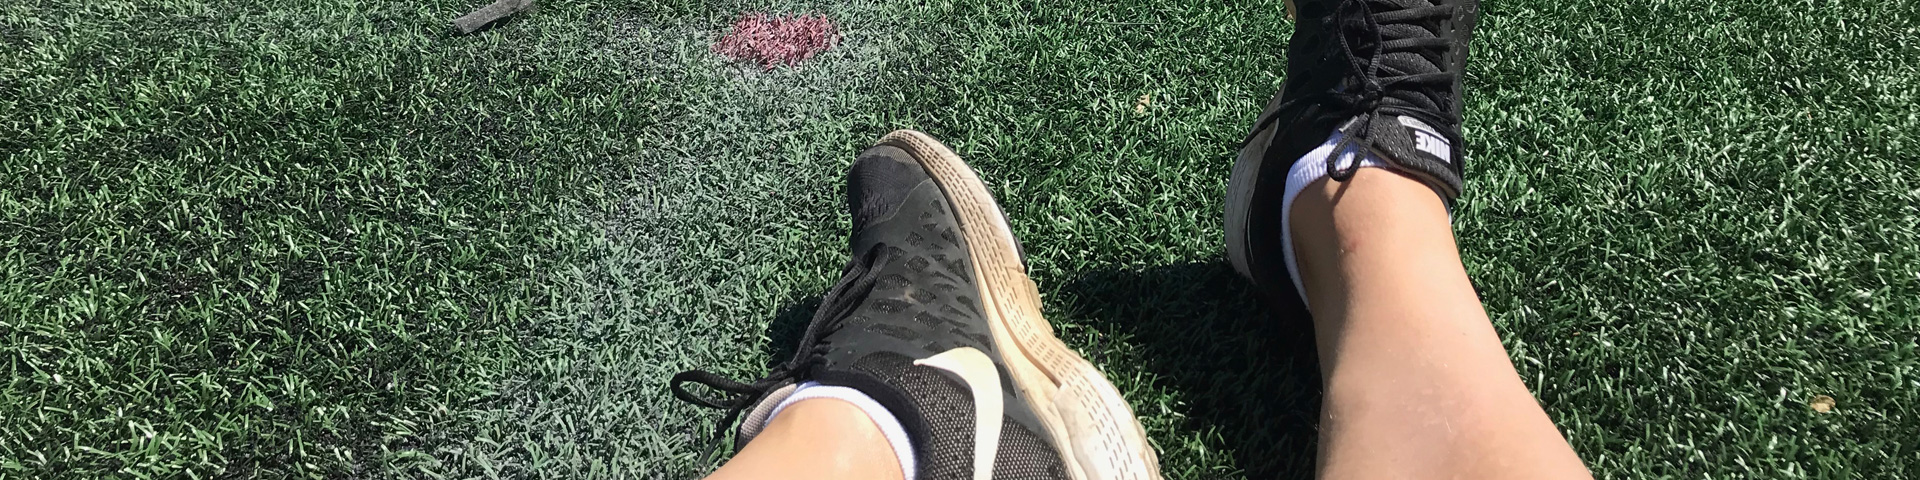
[(472, 22), (1128, 23)]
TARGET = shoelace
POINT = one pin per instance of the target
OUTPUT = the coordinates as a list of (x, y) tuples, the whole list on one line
[(839, 302), (1357, 16)]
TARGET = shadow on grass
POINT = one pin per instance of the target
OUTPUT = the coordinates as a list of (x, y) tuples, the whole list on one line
[(1249, 377), (783, 333)]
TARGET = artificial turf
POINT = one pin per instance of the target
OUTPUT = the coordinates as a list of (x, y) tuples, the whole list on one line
[(327, 239)]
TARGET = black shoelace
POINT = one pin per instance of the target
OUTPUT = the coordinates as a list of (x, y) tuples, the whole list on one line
[(1355, 18), (839, 302)]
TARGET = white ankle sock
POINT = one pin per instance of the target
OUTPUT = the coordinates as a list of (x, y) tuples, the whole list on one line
[(889, 426), (1311, 167)]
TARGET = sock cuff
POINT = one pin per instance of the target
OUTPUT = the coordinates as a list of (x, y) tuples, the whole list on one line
[(889, 426), (1311, 167)]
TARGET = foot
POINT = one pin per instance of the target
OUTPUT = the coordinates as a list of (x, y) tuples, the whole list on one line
[(936, 320), (1383, 74)]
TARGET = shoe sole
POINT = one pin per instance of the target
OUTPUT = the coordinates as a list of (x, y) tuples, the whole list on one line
[(1083, 413), (1240, 185), (1240, 192)]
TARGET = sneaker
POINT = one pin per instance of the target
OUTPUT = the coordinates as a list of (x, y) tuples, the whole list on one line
[(936, 320), (1385, 75)]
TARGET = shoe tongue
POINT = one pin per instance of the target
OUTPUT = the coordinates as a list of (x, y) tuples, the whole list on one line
[(1407, 63)]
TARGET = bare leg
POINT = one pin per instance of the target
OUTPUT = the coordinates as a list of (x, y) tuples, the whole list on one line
[(817, 439), (1418, 384)]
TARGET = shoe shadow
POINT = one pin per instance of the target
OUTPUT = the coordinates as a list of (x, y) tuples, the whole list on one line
[(784, 332), (1246, 375)]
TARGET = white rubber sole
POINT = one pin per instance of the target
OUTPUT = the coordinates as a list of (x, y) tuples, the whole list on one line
[(1083, 413), (1246, 175)]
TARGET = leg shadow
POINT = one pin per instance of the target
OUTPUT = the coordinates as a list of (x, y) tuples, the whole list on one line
[(1247, 374)]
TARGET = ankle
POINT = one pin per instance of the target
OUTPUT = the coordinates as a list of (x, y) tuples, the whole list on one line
[(1373, 202), (1376, 232), (824, 438), (1378, 188)]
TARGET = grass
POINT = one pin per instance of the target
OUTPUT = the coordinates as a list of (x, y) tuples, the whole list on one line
[(294, 239)]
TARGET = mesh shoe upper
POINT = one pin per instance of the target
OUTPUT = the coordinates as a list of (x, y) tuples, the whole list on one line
[(907, 296), (1386, 74)]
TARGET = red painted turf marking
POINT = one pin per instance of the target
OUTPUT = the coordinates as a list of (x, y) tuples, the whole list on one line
[(777, 40)]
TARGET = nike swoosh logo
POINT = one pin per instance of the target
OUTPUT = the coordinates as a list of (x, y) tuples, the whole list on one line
[(977, 371)]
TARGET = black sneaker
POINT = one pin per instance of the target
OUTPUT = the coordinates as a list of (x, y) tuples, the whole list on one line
[(936, 320), (1386, 75)]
